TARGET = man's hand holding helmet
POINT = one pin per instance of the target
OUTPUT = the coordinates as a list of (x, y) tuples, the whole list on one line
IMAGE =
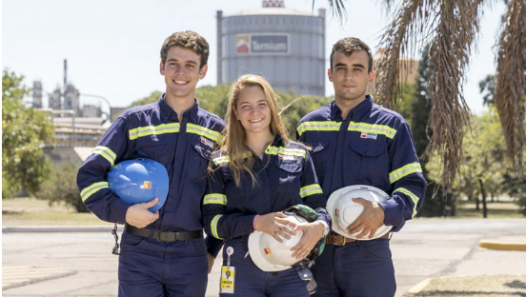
[(139, 216), (369, 221)]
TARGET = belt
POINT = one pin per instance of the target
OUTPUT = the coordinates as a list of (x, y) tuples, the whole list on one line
[(164, 236), (335, 239)]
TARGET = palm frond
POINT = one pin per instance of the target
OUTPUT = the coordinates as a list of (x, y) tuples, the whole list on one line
[(455, 34), (451, 28), (400, 39), (338, 9), (511, 81)]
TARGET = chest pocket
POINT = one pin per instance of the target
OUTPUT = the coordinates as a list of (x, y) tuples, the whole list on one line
[(289, 174), (199, 157), (151, 147), (320, 157), (369, 161), (292, 165)]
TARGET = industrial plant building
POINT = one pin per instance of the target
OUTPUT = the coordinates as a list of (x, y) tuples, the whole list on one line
[(285, 46)]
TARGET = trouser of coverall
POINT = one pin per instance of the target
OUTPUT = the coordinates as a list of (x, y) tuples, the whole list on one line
[(250, 281), (361, 269), (151, 268)]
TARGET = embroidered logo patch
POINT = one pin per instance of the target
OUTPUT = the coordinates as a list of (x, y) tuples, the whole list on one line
[(287, 157), (146, 185), (368, 135), (207, 142)]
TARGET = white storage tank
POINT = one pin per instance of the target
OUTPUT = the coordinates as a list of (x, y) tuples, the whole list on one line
[(285, 46)]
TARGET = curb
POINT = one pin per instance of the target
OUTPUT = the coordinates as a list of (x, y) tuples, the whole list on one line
[(14, 277), (57, 229), (419, 287), (452, 285), (499, 245)]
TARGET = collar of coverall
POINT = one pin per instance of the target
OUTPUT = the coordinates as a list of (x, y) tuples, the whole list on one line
[(355, 113), (278, 141), (167, 111)]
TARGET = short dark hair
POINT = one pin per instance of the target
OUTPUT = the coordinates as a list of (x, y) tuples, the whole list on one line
[(349, 45), (190, 40)]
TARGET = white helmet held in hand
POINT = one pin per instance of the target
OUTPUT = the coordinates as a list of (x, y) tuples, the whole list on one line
[(344, 211)]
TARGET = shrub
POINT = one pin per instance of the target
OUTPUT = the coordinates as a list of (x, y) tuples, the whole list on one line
[(61, 187)]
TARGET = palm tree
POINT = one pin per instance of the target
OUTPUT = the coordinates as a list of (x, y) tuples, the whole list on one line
[(451, 27)]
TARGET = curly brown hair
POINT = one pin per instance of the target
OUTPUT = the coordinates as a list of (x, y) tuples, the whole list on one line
[(349, 45), (190, 40)]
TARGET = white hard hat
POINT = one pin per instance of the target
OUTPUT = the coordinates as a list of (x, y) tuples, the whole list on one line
[(344, 211), (271, 255)]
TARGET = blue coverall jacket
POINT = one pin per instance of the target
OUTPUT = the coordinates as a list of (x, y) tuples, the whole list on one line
[(285, 177), (371, 146), (154, 131)]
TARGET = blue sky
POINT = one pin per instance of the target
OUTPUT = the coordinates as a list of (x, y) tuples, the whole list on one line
[(112, 47)]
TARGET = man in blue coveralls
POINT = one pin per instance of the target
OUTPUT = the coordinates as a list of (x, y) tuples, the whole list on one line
[(162, 253), (356, 142)]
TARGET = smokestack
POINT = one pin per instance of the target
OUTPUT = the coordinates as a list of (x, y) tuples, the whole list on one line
[(65, 73)]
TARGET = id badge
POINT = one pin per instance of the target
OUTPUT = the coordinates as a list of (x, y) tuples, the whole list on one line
[(228, 275)]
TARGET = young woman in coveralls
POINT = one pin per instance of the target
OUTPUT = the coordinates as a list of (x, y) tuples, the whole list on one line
[(257, 173)]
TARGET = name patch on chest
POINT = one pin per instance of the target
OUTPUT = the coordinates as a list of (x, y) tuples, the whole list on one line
[(207, 142), (368, 135), (287, 157)]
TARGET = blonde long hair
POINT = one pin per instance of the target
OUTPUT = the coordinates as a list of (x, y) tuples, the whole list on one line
[(241, 159)]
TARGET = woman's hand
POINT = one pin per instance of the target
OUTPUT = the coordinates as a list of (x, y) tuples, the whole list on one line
[(274, 224), (312, 233)]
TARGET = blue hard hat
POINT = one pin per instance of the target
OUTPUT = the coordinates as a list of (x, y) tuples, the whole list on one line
[(139, 181)]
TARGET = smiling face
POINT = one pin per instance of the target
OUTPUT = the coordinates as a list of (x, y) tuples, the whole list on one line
[(350, 76), (181, 73), (253, 110)]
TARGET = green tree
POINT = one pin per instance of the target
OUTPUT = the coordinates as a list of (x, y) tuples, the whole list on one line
[(25, 131), (437, 203), (484, 154), (296, 107), (487, 88), (153, 97), (483, 169), (61, 187)]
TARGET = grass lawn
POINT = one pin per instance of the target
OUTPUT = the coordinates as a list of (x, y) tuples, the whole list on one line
[(34, 212), (497, 209)]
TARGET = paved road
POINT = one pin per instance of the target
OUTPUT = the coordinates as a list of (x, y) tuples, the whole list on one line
[(80, 263)]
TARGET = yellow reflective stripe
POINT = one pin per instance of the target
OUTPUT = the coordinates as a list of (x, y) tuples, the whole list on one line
[(221, 160), (215, 198), (213, 226), (105, 152), (404, 171), (226, 159), (411, 195), (319, 126), (310, 190), (87, 192), (372, 128), (273, 150), (202, 131), (154, 130)]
